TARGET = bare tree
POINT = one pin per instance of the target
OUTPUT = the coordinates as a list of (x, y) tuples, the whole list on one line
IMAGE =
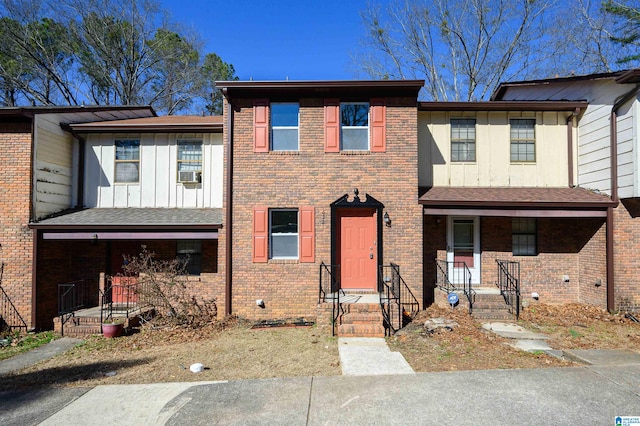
[(462, 48), (36, 55)]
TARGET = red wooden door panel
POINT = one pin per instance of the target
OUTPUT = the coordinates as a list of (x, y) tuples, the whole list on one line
[(358, 249)]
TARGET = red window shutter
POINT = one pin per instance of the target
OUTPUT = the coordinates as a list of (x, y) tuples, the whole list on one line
[(260, 234), (261, 125), (331, 125), (307, 235), (378, 125)]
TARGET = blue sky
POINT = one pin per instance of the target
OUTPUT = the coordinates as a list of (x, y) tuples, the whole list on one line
[(278, 39)]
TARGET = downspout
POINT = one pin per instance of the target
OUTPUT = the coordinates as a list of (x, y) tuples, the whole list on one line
[(614, 193), (570, 128), (229, 215), (34, 234)]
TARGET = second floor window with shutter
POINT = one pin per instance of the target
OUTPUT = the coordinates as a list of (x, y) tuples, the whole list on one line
[(354, 129), (189, 160), (284, 126), (127, 167), (463, 139)]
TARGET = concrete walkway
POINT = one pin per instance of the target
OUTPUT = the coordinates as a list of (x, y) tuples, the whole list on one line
[(370, 356), (41, 353)]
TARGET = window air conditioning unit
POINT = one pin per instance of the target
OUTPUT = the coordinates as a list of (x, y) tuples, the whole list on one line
[(189, 176)]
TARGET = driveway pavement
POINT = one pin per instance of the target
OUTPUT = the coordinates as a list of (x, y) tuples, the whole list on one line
[(590, 395)]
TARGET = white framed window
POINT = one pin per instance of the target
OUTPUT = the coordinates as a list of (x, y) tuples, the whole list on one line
[(189, 160), (463, 139), (127, 161), (523, 236), (191, 250), (285, 118), (283, 233), (354, 126), (523, 140)]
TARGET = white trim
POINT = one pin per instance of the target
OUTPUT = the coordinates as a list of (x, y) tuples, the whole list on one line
[(476, 270)]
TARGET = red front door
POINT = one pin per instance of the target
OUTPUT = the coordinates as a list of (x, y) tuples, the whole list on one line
[(358, 247)]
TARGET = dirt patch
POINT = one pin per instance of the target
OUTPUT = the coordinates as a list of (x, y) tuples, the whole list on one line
[(577, 326), (469, 347)]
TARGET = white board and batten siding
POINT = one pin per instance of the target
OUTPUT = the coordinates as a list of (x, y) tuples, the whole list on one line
[(594, 149), (493, 166), (158, 184), (54, 166)]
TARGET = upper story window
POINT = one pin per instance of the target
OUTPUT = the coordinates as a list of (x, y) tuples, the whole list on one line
[(284, 126), (523, 140), (463, 139), (354, 126), (189, 160), (283, 233), (127, 162)]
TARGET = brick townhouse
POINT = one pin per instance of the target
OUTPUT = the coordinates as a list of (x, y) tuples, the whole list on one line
[(607, 161), (37, 180), (319, 173), (496, 183), (301, 179)]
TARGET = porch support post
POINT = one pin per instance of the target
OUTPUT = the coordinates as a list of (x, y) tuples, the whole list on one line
[(610, 261)]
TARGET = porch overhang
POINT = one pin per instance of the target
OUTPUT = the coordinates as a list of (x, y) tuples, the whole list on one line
[(132, 224), (515, 202)]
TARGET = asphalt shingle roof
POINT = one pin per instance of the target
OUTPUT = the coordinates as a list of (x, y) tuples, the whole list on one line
[(148, 217), (515, 196)]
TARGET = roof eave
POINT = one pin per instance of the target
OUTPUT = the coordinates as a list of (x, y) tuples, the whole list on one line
[(320, 87), (503, 106), (154, 128)]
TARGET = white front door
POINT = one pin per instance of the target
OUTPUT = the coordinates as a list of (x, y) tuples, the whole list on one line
[(463, 245)]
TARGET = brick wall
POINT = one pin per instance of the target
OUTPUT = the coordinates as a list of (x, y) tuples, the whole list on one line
[(572, 247), (312, 177), (626, 230), (67, 261), (15, 206)]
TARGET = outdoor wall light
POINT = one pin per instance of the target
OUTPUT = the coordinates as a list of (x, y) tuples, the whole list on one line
[(535, 295), (260, 303), (386, 219)]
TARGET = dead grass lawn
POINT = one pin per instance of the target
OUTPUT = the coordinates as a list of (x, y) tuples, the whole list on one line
[(233, 350)]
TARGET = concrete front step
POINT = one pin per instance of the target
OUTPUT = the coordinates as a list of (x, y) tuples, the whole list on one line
[(71, 330), (361, 330), (490, 305), (362, 318), (361, 308), (486, 314)]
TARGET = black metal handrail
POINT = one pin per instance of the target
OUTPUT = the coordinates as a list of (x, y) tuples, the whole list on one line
[(126, 296), (451, 275), (10, 318), (509, 284), (73, 296), (398, 303), (329, 289)]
